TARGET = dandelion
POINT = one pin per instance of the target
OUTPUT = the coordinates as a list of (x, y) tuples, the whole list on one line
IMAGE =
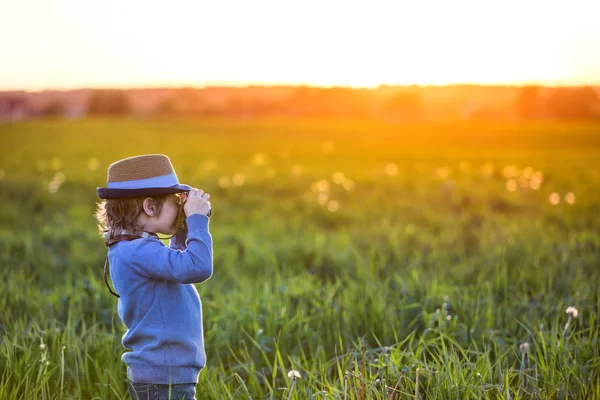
[(293, 375), (570, 198), (487, 169), (534, 184), (349, 185), (511, 185), (320, 186), (59, 177), (339, 178), (57, 180), (442, 173), (53, 187), (510, 171), (322, 198), (573, 313), (523, 182), (554, 199), (536, 180), (524, 346), (333, 205)]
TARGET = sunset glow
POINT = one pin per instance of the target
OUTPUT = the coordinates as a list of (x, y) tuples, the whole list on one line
[(69, 44)]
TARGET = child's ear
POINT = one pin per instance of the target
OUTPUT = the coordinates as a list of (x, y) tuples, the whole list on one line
[(149, 206)]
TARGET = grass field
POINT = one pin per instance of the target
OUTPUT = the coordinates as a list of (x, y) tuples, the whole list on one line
[(379, 261)]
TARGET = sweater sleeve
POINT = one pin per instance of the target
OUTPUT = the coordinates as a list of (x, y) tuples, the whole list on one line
[(178, 241), (151, 258)]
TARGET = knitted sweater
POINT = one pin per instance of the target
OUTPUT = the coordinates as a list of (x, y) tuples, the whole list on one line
[(160, 305)]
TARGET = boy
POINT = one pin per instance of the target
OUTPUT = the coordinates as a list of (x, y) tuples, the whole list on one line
[(157, 299)]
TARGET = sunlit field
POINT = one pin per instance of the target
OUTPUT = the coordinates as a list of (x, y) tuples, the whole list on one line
[(378, 261)]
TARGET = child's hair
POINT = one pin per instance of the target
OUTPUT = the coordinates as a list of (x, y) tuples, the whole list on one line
[(116, 215)]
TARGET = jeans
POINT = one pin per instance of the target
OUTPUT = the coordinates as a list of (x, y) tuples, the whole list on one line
[(153, 391)]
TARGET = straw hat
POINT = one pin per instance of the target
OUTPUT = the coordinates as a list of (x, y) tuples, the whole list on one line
[(147, 175)]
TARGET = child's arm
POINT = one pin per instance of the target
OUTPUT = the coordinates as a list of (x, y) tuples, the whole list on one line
[(177, 242), (154, 260)]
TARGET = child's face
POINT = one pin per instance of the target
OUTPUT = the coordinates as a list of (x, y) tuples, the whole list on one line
[(166, 222)]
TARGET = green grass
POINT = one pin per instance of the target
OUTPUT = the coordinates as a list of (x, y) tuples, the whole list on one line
[(424, 281)]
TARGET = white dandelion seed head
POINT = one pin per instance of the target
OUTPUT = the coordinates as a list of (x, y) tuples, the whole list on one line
[(294, 374), (574, 312)]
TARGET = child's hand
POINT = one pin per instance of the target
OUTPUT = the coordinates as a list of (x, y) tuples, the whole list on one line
[(197, 203)]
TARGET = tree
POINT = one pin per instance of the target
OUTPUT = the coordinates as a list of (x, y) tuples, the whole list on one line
[(54, 108), (109, 102), (529, 102), (407, 106), (575, 103)]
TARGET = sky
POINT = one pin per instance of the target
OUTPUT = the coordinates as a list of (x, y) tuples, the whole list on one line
[(67, 44)]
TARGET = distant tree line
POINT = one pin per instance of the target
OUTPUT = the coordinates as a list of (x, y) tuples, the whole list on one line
[(389, 103), (578, 103), (109, 103), (301, 101)]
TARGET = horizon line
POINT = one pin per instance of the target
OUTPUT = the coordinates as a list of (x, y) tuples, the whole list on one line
[(234, 85)]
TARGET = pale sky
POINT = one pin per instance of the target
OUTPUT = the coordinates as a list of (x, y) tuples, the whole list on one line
[(65, 44)]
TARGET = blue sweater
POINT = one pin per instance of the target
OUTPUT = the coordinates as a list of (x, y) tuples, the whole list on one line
[(160, 305)]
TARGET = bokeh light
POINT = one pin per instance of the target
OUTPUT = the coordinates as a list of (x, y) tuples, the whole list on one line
[(511, 185), (224, 182), (238, 179), (333, 205), (391, 169), (570, 198), (259, 159)]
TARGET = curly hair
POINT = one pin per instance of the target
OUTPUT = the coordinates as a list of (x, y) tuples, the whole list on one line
[(116, 215)]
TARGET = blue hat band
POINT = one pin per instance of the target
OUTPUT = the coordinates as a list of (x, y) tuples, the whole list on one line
[(154, 182)]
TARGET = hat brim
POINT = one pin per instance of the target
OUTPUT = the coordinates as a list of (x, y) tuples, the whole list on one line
[(106, 193)]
